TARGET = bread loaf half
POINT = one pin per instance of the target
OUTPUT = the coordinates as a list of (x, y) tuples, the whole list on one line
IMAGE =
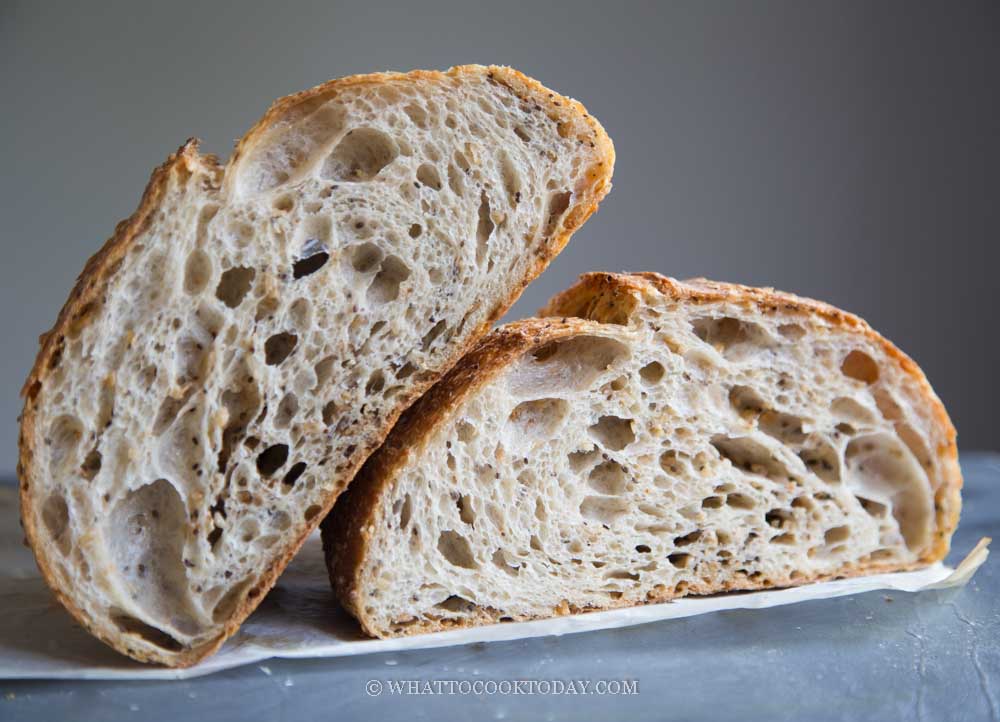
[(650, 439), (232, 355)]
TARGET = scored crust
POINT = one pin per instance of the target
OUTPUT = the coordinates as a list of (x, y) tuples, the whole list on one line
[(92, 281), (596, 299)]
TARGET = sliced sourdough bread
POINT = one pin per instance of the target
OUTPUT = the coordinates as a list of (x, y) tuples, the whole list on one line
[(651, 439), (241, 344)]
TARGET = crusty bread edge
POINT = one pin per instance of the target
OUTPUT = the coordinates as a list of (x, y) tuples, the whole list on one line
[(347, 533), (98, 269)]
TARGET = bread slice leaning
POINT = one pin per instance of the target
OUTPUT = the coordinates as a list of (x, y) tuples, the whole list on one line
[(232, 355), (649, 439)]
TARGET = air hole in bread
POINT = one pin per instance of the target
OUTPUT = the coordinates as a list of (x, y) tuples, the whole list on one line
[(746, 402), (484, 228), (385, 286), (822, 460), (287, 409), (612, 432), (365, 257), (272, 459), (860, 366), (465, 510), (415, 230), (621, 574), (522, 134), (733, 338), (566, 365), (887, 405), (466, 432), (197, 272), (234, 284), (671, 463), (266, 308), (712, 502), (455, 548), (501, 560), (536, 420), (874, 508), (852, 411), (405, 511), (428, 175), (786, 428), (580, 460), (63, 439), (431, 336), (751, 456), (300, 313), (511, 179), (283, 203), (406, 370), (376, 382), (145, 531), (679, 559), (312, 512), (608, 478), (91, 465), (457, 604), (915, 443), (652, 373), (836, 535), (803, 502), (294, 473), (148, 633), (309, 265), (791, 331), (456, 180), (779, 518), (603, 509), (556, 208), (324, 371), (688, 539), (279, 347), (880, 467), (55, 517), (249, 530), (241, 402), (192, 357), (330, 413), (360, 155), (740, 501), (417, 114), (786, 539)]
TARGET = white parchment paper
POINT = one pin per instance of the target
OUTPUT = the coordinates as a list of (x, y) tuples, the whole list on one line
[(299, 617)]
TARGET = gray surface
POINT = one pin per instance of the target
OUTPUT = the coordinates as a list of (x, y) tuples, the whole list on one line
[(843, 150), (928, 656)]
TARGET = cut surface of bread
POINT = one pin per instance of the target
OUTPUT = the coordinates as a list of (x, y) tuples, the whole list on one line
[(243, 342), (650, 439)]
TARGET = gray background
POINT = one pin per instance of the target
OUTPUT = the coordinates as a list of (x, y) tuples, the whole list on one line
[(847, 151)]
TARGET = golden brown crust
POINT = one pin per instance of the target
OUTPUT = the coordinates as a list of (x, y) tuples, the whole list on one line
[(596, 298), (95, 275)]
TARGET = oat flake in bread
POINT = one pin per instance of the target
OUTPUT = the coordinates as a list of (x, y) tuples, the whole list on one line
[(243, 342), (645, 440)]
